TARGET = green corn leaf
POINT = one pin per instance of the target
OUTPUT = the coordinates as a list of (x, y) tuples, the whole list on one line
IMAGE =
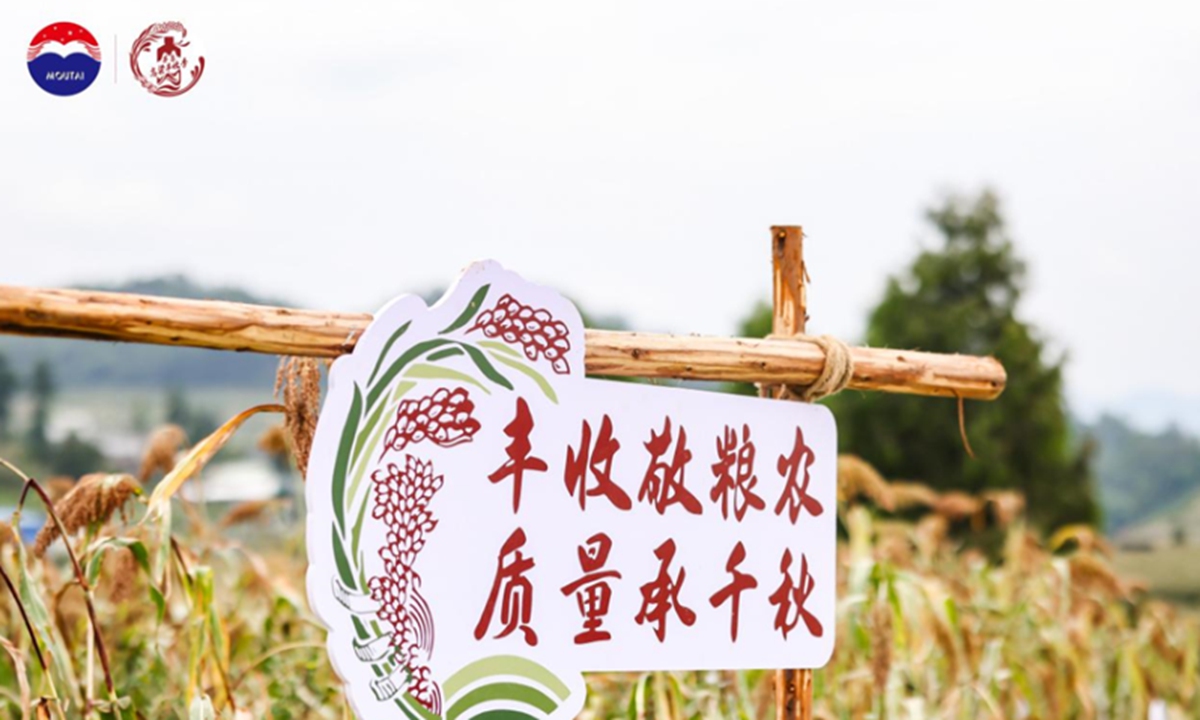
[(97, 551), (202, 709), (62, 671)]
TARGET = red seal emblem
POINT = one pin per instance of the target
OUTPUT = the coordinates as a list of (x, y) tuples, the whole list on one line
[(162, 61)]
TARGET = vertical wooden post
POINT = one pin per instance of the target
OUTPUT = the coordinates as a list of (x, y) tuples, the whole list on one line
[(793, 688)]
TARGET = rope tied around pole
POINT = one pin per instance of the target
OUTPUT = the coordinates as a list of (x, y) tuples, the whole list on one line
[(835, 374)]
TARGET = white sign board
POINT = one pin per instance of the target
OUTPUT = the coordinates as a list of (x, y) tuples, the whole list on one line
[(485, 523)]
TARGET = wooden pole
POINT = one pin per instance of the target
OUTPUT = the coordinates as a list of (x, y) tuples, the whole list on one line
[(789, 317), (283, 331)]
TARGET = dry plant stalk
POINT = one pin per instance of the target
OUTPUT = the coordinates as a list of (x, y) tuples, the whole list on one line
[(274, 441), (857, 477), (161, 451), (247, 511), (929, 534), (1084, 536), (956, 506), (58, 486), (1090, 572), (22, 681), (881, 644), (298, 386), (912, 494), (1007, 505), (93, 500), (121, 565), (60, 530), (948, 612)]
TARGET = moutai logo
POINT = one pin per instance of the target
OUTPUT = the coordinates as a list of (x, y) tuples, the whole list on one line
[(63, 58)]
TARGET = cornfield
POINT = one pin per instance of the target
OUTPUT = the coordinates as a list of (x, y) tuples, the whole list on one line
[(137, 606)]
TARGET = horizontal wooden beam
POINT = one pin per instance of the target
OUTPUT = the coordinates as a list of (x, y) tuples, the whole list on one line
[(282, 331)]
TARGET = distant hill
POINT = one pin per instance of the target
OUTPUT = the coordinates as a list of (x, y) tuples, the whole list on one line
[(1177, 524), (85, 362), (1144, 475)]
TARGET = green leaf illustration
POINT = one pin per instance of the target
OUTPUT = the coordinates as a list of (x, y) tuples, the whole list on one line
[(341, 465), (380, 387), (486, 367), (469, 311), (534, 375), (499, 347), (343, 565), (443, 354), (424, 371), (510, 693), (360, 442), (506, 686), (386, 347), (414, 709), (508, 666)]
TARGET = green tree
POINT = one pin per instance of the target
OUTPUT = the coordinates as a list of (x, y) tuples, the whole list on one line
[(42, 387), (962, 297), (8, 388)]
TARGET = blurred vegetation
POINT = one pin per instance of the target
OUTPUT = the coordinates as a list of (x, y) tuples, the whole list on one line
[(72, 456), (962, 296), (195, 423), (8, 389), (209, 611), (42, 387)]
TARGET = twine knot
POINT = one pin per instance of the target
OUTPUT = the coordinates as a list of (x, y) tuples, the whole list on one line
[(835, 372)]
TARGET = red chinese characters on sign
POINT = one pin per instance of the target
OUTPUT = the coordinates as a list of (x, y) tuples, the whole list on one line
[(512, 590), (790, 596), (795, 494), (662, 486), (520, 460), (592, 591), (734, 470), (588, 473), (732, 592), (661, 595), (597, 459)]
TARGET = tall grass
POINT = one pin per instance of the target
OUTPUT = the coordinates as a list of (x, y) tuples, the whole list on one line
[(149, 607)]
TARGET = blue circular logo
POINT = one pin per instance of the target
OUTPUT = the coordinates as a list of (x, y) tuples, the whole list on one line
[(64, 58)]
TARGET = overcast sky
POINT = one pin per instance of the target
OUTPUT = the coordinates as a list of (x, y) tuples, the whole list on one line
[(634, 154)]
